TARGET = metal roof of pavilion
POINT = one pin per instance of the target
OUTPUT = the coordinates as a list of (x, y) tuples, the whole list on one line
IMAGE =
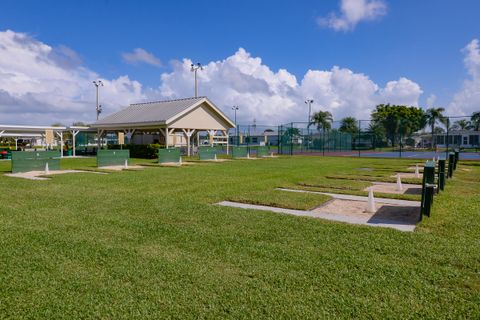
[(162, 112)]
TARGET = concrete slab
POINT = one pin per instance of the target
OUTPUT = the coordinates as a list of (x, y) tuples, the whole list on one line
[(318, 213), (40, 175), (358, 198), (387, 187)]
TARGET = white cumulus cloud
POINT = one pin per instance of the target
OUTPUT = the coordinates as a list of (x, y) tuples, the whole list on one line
[(41, 85), (467, 100), (277, 97), (353, 12), (139, 55)]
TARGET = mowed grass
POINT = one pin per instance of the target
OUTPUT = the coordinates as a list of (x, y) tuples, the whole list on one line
[(153, 244)]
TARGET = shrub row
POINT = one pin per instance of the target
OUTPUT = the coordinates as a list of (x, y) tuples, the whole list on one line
[(145, 151)]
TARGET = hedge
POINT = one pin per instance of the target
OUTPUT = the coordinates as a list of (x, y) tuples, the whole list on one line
[(145, 151)]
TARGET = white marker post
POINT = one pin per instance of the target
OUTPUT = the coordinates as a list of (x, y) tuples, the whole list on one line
[(417, 173), (126, 164), (371, 202), (47, 171), (180, 161), (399, 183), (215, 158)]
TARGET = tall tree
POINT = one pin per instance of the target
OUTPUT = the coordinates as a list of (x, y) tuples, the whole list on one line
[(462, 124), (475, 119), (434, 115), (323, 120), (398, 121), (349, 125)]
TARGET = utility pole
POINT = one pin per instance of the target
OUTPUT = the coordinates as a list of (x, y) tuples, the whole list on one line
[(309, 102), (235, 108), (194, 68), (98, 108)]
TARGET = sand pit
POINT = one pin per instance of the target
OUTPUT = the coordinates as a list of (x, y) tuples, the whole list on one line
[(385, 213), (40, 175), (385, 187)]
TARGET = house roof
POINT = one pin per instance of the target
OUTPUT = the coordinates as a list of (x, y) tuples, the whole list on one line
[(157, 112)]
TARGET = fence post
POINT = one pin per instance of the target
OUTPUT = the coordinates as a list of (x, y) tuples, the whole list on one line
[(358, 142), (291, 138), (447, 142)]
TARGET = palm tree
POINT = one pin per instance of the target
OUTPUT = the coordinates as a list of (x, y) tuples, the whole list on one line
[(349, 125), (462, 125), (475, 120), (323, 120), (433, 115)]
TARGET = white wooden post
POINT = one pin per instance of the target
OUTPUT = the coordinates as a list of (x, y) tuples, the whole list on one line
[(60, 134), (169, 132), (225, 132), (211, 134), (74, 134), (129, 134), (188, 133)]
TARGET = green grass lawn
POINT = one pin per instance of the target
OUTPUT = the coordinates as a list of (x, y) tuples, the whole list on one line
[(152, 244)]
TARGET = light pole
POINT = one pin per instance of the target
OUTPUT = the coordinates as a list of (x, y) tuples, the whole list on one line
[(97, 84), (235, 108), (194, 68), (309, 102)]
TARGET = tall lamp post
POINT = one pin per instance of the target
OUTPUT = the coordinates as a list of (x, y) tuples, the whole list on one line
[(309, 102), (235, 108), (194, 68), (97, 84)]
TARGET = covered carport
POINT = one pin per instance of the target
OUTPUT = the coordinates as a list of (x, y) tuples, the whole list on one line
[(48, 136)]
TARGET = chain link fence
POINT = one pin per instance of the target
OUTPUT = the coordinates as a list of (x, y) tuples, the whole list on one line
[(390, 138)]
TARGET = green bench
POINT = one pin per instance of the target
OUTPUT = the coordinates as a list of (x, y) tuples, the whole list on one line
[(207, 153), (112, 157), (169, 155), (240, 152), (262, 151), (25, 161)]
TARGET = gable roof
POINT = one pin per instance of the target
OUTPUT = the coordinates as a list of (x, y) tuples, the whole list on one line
[(158, 112)]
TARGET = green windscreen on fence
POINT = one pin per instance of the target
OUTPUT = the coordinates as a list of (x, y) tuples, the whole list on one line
[(207, 153), (169, 155), (239, 152), (24, 161), (262, 151), (107, 158)]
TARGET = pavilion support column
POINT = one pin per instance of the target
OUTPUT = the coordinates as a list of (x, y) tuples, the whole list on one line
[(169, 132), (60, 134), (188, 133), (74, 134), (225, 132), (129, 134), (165, 133), (211, 134)]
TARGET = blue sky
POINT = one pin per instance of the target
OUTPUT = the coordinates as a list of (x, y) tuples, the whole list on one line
[(421, 41)]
